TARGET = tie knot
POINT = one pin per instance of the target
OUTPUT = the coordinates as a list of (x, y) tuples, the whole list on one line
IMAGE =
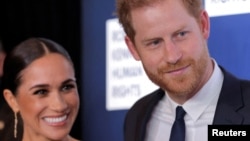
[(178, 128), (180, 112)]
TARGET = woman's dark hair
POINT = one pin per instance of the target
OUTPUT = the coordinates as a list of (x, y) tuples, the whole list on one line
[(23, 55)]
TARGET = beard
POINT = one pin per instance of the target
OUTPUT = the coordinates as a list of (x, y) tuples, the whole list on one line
[(182, 85)]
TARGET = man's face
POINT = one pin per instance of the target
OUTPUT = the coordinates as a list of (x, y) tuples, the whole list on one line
[(172, 46)]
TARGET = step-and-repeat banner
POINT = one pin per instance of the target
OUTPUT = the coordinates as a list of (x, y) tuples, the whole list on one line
[(227, 7)]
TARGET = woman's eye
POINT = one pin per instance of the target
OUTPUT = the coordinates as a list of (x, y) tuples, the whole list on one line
[(40, 92), (68, 87)]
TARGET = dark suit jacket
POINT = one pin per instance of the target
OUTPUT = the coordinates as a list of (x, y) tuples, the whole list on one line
[(233, 108)]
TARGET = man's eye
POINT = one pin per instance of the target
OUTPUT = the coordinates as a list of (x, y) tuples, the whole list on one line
[(154, 42), (181, 36), (183, 33)]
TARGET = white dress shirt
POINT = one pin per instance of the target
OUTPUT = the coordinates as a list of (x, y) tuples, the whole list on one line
[(199, 109)]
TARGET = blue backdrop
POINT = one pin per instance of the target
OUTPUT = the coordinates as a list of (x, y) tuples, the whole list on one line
[(229, 44), (98, 124)]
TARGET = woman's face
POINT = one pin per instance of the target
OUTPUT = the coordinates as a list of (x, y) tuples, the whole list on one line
[(47, 98)]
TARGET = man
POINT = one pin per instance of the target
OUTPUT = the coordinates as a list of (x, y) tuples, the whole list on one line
[(170, 38)]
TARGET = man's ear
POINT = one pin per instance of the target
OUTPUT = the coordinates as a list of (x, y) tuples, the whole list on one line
[(132, 48), (205, 24), (11, 100)]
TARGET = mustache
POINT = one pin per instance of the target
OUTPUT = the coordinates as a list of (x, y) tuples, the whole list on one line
[(167, 67)]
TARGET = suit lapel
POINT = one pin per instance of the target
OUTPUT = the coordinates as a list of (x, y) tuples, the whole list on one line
[(156, 97), (230, 100)]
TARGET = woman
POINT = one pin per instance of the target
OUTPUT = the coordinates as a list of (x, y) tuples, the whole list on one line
[(40, 87)]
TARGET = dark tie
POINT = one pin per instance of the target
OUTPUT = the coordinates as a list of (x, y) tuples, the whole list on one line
[(178, 128)]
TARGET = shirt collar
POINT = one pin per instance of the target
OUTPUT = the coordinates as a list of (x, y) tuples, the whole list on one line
[(206, 95)]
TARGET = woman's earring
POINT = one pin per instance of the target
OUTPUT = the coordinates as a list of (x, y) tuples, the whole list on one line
[(15, 125)]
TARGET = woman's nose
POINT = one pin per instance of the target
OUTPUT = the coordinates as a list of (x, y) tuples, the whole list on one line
[(58, 103)]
